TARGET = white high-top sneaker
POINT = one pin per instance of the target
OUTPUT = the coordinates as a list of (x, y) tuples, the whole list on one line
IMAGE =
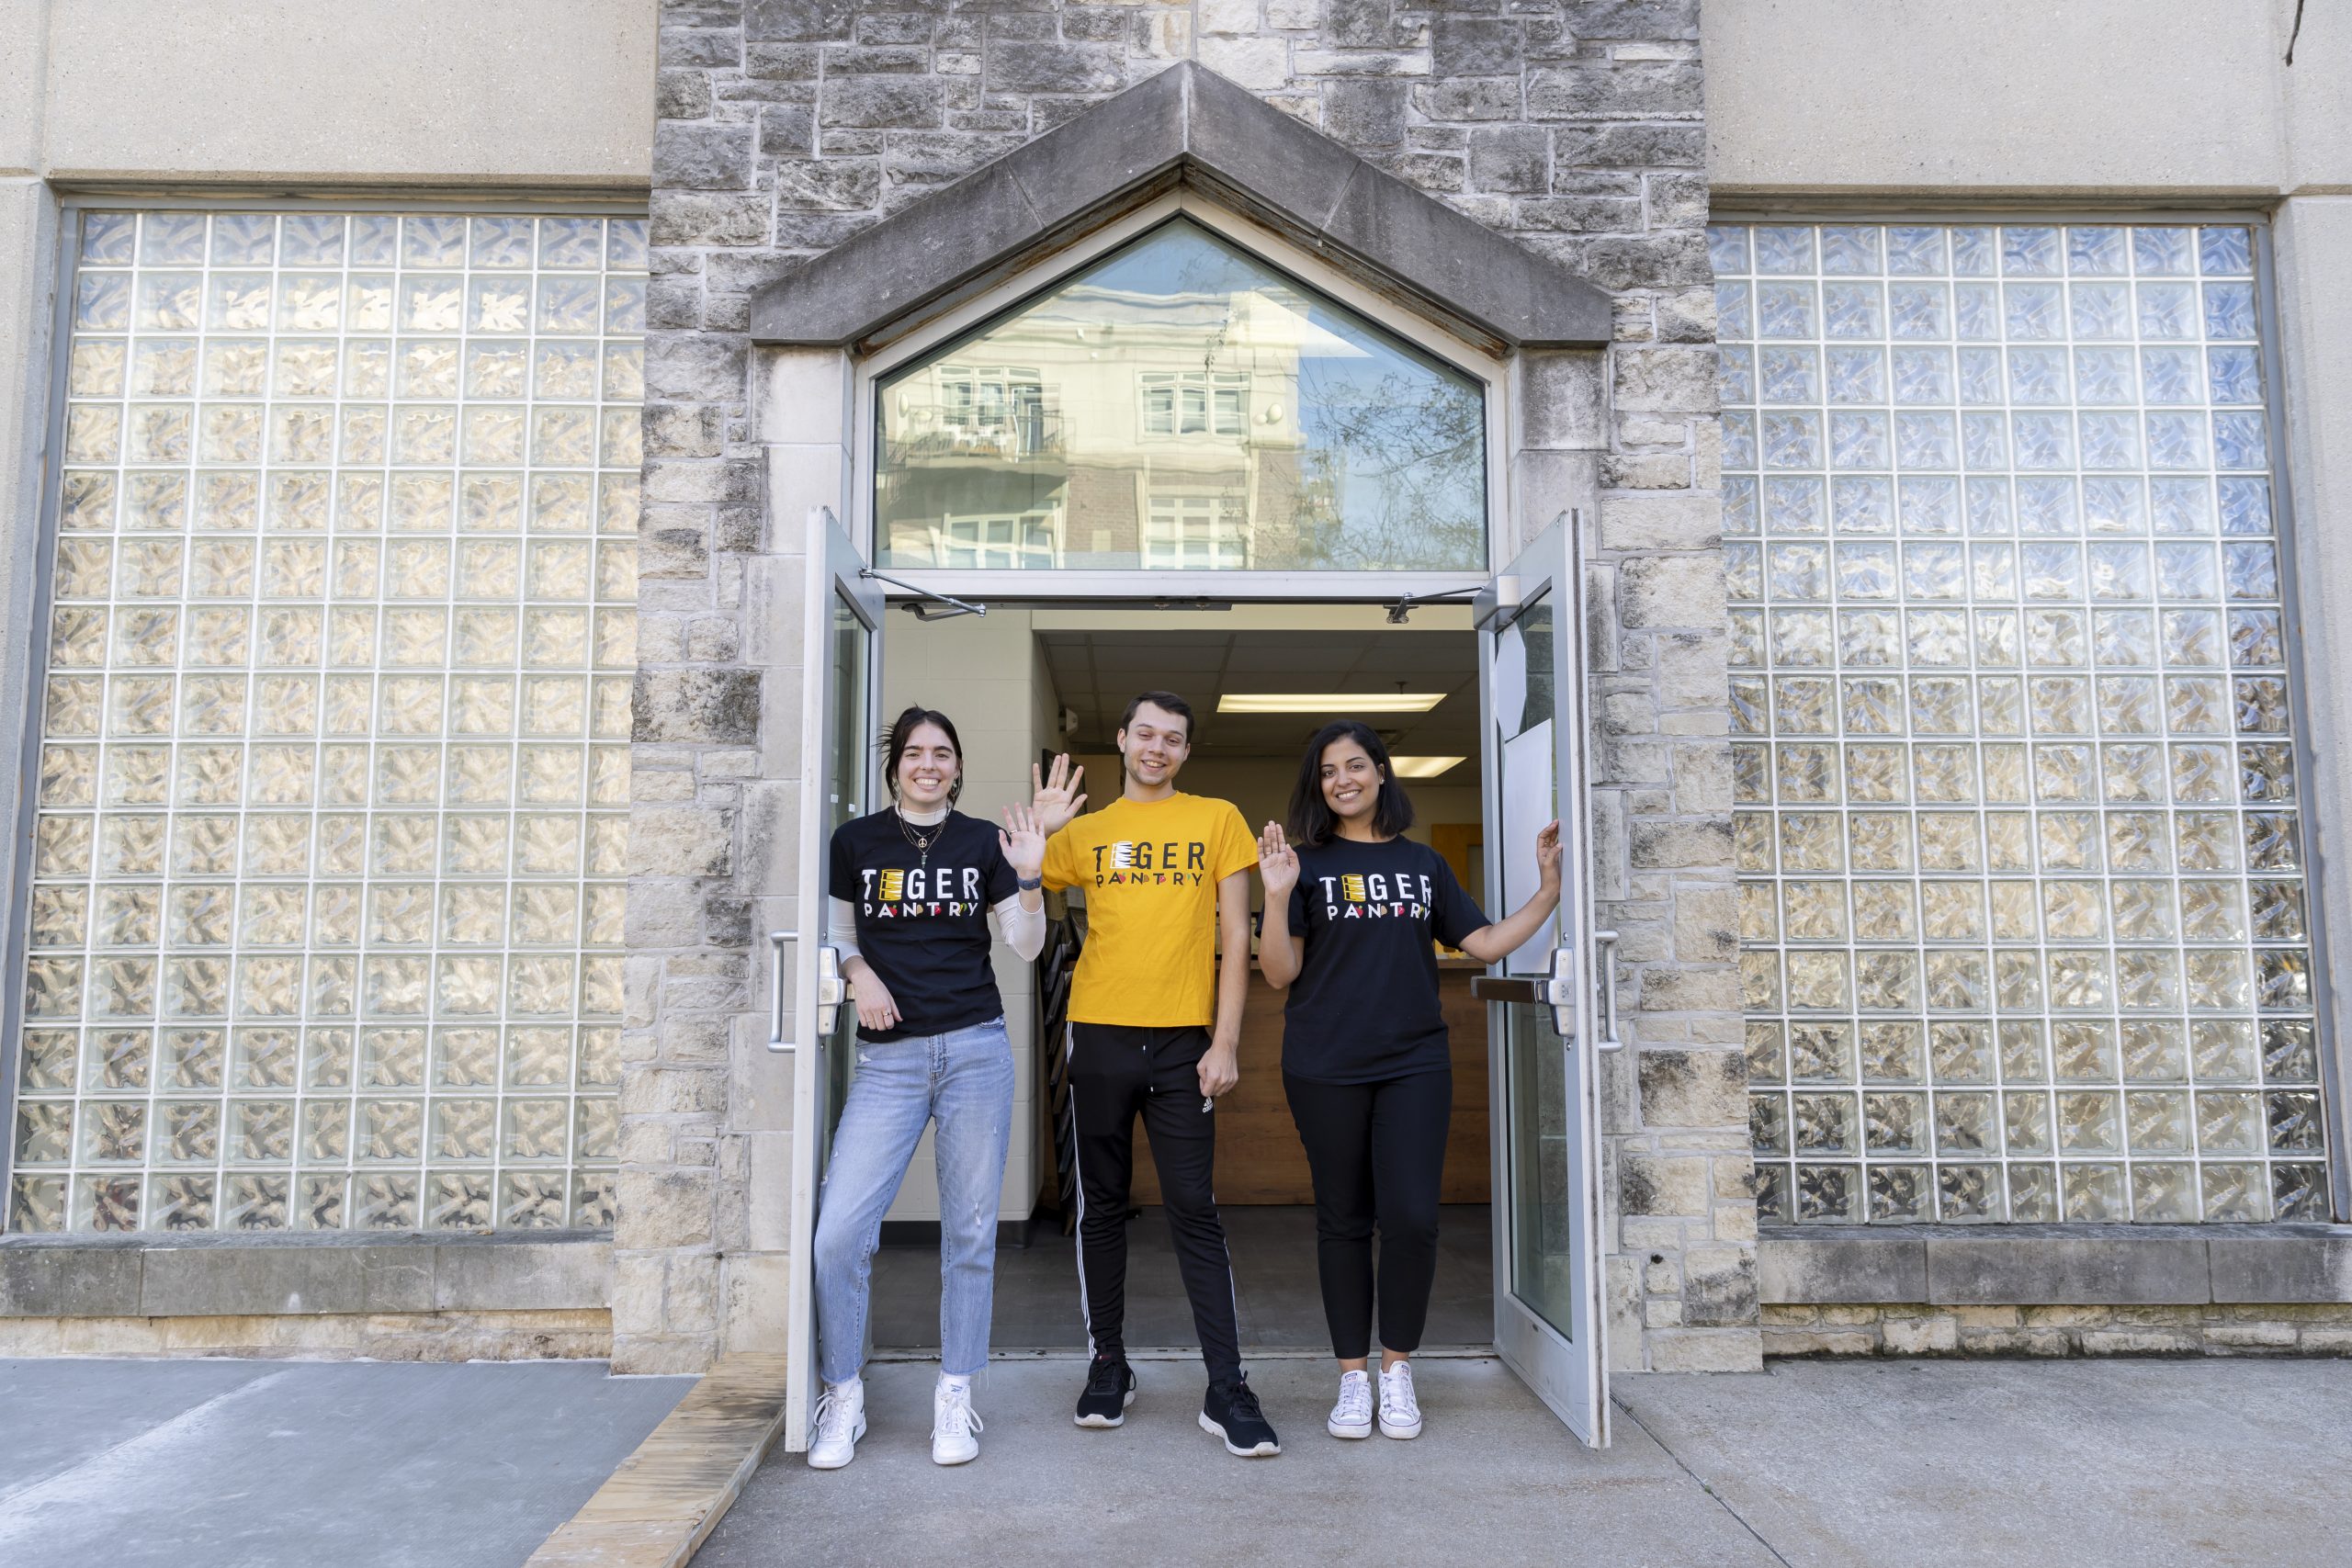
[(841, 1421), (1351, 1417), (1400, 1413), (953, 1423)]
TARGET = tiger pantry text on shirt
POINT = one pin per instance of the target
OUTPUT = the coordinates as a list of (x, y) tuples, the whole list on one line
[(949, 891), (1373, 896), (1128, 861)]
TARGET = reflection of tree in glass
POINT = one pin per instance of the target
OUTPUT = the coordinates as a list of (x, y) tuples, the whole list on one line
[(1394, 472)]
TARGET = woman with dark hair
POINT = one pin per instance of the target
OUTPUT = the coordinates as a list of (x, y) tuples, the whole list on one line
[(913, 887), (1353, 912)]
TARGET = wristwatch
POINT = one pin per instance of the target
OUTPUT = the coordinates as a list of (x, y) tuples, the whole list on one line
[(1028, 884)]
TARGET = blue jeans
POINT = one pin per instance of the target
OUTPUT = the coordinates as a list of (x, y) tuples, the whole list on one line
[(964, 1079)]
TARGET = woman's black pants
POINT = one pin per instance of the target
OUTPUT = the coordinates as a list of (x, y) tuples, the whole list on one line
[(1378, 1154)]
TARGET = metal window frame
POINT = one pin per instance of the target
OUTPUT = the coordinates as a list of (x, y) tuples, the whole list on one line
[(2259, 217), (72, 203)]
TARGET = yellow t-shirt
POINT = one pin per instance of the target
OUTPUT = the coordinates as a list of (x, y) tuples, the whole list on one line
[(1149, 871)]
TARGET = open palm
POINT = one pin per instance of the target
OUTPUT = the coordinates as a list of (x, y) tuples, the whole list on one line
[(1054, 796), (1024, 843)]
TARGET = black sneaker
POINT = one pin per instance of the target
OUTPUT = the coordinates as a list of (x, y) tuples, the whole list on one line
[(1110, 1389), (1231, 1412)]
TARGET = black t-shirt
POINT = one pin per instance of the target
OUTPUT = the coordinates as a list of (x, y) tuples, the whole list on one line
[(1365, 1004), (923, 922)]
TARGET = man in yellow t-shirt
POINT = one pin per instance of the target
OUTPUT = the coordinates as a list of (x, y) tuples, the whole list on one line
[(1155, 1025)]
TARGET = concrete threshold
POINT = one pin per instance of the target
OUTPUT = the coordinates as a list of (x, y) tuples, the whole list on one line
[(665, 1498)]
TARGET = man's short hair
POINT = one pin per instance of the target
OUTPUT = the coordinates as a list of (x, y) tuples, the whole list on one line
[(1167, 702)]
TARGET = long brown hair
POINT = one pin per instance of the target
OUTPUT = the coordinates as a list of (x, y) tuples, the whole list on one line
[(1311, 822)]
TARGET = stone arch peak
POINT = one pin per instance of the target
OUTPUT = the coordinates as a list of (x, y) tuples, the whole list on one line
[(1185, 127)]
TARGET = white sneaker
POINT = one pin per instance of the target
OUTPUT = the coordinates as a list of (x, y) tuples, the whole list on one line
[(1351, 1417), (953, 1424), (1400, 1413), (841, 1421)]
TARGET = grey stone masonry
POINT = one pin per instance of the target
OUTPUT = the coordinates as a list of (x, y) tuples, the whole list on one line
[(1572, 127), (196, 1274)]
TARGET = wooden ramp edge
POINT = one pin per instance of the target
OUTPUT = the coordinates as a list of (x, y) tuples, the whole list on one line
[(658, 1507)]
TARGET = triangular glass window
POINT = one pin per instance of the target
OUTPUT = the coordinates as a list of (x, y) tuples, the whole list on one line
[(1180, 405)]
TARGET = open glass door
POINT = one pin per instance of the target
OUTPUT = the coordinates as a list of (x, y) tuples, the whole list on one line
[(1539, 1013), (842, 645)]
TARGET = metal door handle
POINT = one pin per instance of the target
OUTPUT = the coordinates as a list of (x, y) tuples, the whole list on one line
[(1509, 988), (1555, 990), (829, 990), (1604, 965), (1560, 992), (782, 942)]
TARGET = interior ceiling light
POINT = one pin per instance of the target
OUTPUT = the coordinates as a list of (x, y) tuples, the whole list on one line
[(1337, 704), (1421, 767)]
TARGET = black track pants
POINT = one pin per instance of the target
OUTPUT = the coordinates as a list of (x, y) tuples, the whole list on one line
[(1378, 1154), (1116, 1073)]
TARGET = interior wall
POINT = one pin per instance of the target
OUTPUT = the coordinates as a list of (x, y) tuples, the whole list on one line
[(990, 675)]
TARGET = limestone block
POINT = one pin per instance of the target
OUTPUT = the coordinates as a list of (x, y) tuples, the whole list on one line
[(1672, 591), (193, 1282), (1651, 1184), (758, 1296), (1718, 1285), (516, 1276), (1936, 1336), (1562, 400), (1693, 1088), (692, 1302), (1677, 379), (1707, 1350), (1859, 1268), (61, 1281), (679, 841), (698, 705), (664, 1208), (803, 396)]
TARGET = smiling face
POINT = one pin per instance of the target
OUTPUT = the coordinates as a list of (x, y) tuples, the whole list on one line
[(926, 768), (1351, 782), (1154, 745)]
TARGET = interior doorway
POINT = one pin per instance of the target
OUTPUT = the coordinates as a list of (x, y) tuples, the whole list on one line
[(1024, 682)]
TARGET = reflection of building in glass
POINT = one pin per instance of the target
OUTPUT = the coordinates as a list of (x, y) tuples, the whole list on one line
[(1179, 406)]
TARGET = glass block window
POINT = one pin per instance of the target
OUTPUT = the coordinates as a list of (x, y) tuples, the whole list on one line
[(325, 919), (2019, 830)]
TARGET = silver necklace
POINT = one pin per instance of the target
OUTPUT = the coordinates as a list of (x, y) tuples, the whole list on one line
[(922, 845)]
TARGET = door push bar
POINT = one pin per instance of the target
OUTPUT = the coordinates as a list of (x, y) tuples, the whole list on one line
[(1555, 990), (829, 990)]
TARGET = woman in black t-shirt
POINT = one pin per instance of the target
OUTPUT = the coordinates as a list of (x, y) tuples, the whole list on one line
[(910, 891), (1353, 912)]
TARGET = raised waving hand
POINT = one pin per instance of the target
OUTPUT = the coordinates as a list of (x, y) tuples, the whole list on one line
[(1054, 798), (1024, 843), (1277, 862)]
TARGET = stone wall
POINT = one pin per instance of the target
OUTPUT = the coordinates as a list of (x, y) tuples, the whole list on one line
[(785, 126), (1893, 1328), (572, 1334)]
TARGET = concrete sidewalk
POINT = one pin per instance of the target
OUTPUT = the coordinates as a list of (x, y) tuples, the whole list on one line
[(1809, 1465), (283, 1464)]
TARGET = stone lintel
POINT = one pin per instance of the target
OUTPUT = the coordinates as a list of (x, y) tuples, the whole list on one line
[(296, 1274), (1186, 125), (2054, 1265)]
